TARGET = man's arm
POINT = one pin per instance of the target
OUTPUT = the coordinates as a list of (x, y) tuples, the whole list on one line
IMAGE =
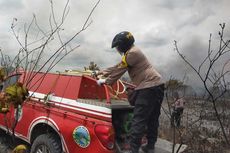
[(108, 71), (114, 73)]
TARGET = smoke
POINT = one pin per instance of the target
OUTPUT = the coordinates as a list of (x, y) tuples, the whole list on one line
[(154, 24)]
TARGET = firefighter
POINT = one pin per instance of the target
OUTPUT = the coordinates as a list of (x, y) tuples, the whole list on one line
[(3, 105), (149, 90), (2, 77), (178, 108)]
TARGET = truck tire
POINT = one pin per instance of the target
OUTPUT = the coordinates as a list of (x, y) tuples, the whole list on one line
[(46, 143)]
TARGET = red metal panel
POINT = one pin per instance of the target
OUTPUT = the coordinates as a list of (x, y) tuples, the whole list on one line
[(66, 122), (73, 87), (90, 90), (61, 85), (43, 83)]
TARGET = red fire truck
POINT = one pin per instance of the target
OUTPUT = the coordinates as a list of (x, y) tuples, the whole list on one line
[(69, 113)]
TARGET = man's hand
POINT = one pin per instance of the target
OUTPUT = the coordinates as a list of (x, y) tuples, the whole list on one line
[(100, 82)]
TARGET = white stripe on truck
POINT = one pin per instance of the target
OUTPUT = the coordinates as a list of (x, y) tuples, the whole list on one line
[(75, 105)]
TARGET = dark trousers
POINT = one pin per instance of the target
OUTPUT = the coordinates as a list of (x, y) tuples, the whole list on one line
[(146, 114), (176, 117)]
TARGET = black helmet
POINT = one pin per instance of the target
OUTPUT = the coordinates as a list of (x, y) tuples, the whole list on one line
[(123, 41)]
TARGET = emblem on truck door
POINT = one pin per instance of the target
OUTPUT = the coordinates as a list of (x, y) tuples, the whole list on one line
[(81, 136)]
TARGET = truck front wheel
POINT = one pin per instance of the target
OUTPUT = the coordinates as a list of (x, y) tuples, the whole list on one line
[(46, 143)]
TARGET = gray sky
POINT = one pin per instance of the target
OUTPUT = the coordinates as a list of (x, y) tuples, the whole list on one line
[(155, 24)]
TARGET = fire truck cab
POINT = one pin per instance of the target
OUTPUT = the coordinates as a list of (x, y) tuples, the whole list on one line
[(69, 113)]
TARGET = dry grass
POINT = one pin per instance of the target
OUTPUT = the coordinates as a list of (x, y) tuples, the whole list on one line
[(198, 138)]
